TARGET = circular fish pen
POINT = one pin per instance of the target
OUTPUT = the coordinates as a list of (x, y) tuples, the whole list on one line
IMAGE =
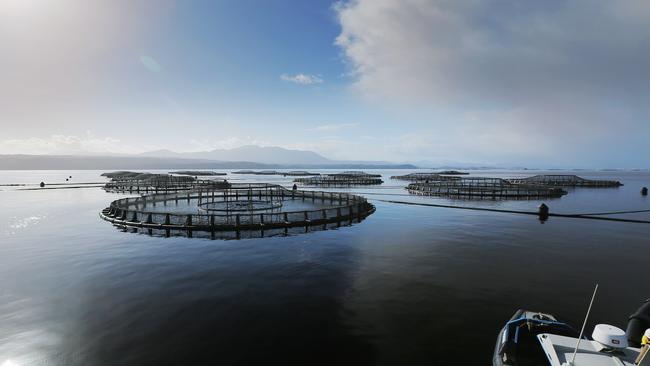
[(242, 210), (291, 173), (299, 173), (345, 179), (423, 177), (489, 188), (147, 183), (565, 181)]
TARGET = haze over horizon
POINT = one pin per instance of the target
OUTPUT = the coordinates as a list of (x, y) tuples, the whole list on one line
[(554, 83)]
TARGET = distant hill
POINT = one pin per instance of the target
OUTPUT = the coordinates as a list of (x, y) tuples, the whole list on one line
[(258, 154), (76, 162)]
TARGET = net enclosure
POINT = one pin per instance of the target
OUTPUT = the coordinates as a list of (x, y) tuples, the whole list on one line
[(291, 173), (423, 177), (148, 183), (344, 179), (197, 173), (260, 208), (478, 187), (565, 181)]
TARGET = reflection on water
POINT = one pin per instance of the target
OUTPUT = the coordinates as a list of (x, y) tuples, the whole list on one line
[(17, 223), (409, 285)]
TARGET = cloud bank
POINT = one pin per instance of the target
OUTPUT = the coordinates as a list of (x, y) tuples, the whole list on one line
[(501, 51), (66, 144), (565, 75)]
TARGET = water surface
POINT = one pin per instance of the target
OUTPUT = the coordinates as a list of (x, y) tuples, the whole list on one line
[(408, 285)]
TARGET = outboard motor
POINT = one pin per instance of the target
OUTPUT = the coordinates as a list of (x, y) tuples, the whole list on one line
[(638, 323)]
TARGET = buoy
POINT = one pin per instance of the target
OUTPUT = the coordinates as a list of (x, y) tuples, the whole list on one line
[(42, 184), (644, 191), (70, 177), (543, 212)]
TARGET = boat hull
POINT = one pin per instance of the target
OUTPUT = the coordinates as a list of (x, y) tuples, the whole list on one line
[(517, 343)]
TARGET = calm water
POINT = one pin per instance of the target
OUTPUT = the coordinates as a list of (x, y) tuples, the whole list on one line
[(409, 285)]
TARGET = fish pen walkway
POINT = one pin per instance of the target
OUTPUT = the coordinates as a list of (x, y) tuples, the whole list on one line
[(242, 207), (491, 188), (565, 181), (345, 179)]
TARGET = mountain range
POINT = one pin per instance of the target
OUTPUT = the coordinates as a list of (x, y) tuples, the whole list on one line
[(251, 153), (253, 157)]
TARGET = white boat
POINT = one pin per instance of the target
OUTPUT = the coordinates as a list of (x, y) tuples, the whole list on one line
[(537, 339)]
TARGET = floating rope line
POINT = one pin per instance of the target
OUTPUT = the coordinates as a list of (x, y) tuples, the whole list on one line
[(351, 186), (534, 213), (59, 187), (385, 194), (49, 184), (613, 213)]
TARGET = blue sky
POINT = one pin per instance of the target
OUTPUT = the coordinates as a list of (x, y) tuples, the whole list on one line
[(494, 82)]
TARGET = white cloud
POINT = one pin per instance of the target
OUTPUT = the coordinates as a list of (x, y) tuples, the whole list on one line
[(494, 51), (333, 127), (303, 79), (551, 80), (65, 144)]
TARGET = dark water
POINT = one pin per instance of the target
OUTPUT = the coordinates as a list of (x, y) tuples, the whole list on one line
[(409, 285)]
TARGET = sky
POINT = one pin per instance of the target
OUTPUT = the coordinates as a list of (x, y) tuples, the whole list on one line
[(495, 82)]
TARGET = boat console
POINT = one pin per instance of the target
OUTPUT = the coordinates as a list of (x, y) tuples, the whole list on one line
[(609, 348)]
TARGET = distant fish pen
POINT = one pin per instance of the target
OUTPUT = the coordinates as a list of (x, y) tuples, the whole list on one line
[(197, 173), (491, 188), (345, 179), (148, 183), (255, 209), (423, 177), (565, 181), (299, 173), (452, 172), (292, 173), (354, 174)]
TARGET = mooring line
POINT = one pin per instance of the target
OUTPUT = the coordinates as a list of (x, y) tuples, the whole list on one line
[(613, 213), (384, 194), (533, 213), (347, 187), (59, 187)]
